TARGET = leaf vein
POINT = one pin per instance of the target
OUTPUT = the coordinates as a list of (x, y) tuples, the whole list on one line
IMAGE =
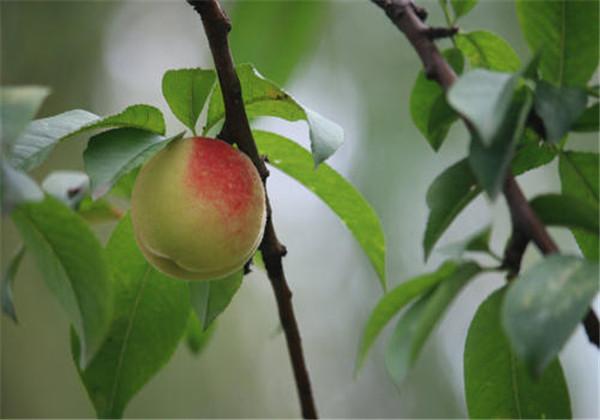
[(132, 316)]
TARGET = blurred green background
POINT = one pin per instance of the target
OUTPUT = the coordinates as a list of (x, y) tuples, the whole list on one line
[(345, 60)]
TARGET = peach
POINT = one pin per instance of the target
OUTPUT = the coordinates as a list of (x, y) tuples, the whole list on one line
[(198, 209)]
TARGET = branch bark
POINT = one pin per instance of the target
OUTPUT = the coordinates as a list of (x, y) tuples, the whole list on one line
[(236, 129), (410, 19)]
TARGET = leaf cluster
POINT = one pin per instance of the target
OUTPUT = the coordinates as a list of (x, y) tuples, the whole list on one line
[(519, 118)]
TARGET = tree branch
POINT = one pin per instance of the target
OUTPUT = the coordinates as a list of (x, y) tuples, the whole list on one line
[(236, 129), (410, 20)]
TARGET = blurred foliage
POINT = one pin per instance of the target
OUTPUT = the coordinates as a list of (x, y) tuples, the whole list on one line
[(44, 42), (276, 36)]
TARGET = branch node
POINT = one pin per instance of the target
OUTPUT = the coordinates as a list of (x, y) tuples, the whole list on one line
[(282, 250), (421, 12), (434, 33)]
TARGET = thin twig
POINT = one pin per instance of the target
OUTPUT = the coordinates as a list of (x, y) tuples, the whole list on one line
[(408, 18), (236, 129)]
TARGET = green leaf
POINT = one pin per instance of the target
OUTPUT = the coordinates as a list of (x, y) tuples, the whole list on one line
[(559, 108), (277, 56), (143, 117), (579, 177), (186, 91), (487, 50), (112, 154), (210, 298), (345, 200), (416, 325), (18, 106), (484, 98), (579, 174), (544, 305), (396, 299), (447, 196), (497, 385), (73, 265), (462, 7), (491, 162), (264, 98), (124, 186), (8, 278), (17, 187), (40, 136), (195, 337), (588, 121), (563, 31), (456, 187), (568, 211), (428, 107), (532, 153), (150, 316), (477, 242)]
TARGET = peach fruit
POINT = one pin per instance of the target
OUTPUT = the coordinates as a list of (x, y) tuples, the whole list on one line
[(198, 209)]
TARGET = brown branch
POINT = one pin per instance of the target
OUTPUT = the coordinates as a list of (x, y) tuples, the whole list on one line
[(236, 129), (513, 254), (409, 19)]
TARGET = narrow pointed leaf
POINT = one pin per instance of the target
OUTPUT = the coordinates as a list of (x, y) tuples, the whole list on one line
[(40, 136), (264, 98), (73, 265), (8, 279), (497, 385), (345, 200), (416, 325), (186, 91), (196, 338), (462, 7), (545, 304), (210, 298), (151, 312), (396, 299)]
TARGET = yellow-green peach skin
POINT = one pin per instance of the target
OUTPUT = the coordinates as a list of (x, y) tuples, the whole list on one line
[(198, 209)]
